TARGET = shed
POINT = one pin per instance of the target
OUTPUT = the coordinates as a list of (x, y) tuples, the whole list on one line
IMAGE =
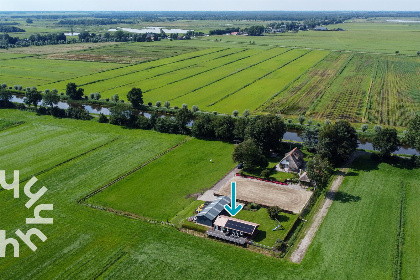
[(304, 179), (214, 209)]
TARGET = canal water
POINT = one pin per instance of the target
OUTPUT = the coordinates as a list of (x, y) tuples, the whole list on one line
[(291, 135)]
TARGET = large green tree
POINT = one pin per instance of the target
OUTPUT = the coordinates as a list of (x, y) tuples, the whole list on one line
[(266, 131), (249, 154), (32, 97), (73, 92), (135, 96), (224, 127), (183, 117), (310, 138), (337, 142), (51, 98), (203, 127), (386, 142), (319, 170), (413, 132), (5, 97)]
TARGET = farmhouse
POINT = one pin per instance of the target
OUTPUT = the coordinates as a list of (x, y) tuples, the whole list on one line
[(232, 229), (214, 209), (292, 161)]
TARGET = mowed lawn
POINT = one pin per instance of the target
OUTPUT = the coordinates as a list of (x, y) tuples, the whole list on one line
[(357, 240), (164, 187)]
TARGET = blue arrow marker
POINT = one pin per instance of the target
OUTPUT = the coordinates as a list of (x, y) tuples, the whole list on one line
[(234, 209)]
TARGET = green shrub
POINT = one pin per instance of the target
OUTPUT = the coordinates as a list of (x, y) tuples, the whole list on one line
[(193, 226)]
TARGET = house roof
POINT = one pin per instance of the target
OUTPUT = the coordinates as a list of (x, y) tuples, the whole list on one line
[(236, 224), (294, 158), (214, 208), (304, 178)]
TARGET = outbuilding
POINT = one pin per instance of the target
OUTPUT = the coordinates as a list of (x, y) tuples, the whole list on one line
[(214, 209)]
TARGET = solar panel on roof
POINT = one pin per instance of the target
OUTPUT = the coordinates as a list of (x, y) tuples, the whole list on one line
[(240, 226)]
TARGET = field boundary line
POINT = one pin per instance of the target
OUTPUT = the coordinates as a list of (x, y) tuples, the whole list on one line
[(16, 124), (123, 176), (368, 95), (256, 80), (291, 83), (327, 88), (164, 73), (318, 218), (68, 160), (117, 256), (400, 235), (202, 72), (130, 65), (231, 74)]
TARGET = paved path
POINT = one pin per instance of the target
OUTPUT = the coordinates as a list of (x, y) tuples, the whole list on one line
[(298, 255), (209, 195)]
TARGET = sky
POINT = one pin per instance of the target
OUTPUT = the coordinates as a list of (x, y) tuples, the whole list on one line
[(209, 5)]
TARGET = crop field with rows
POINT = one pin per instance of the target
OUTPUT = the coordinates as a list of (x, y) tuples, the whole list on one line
[(354, 86), (227, 76)]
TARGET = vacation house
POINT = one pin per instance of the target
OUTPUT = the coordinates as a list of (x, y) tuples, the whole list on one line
[(233, 230), (292, 161)]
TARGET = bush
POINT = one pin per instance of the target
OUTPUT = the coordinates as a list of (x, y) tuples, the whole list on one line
[(377, 128), (20, 106), (273, 212), (193, 226), (92, 95), (4, 85), (102, 118), (290, 121), (246, 113), (194, 108), (158, 104), (184, 106), (364, 127), (167, 104), (235, 113), (214, 113), (310, 121), (150, 104), (301, 119), (265, 173), (176, 107), (106, 99), (252, 206)]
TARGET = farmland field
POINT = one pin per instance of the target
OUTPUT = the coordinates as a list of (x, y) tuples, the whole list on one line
[(356, 241), (270, 74), (163, 188)]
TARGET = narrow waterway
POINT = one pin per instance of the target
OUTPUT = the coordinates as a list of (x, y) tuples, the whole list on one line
[(291, 135)]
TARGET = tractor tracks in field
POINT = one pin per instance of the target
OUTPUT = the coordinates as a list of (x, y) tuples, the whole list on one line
[(68, 160), (123, 176)]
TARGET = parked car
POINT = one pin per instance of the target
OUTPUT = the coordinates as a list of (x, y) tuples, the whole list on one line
[(240, 166)]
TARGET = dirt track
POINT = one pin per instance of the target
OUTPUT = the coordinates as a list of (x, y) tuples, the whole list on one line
[(298, 255), (267, 194)]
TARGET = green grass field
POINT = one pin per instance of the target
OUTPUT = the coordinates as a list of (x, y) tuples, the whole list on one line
[(356, 240), (165, 186), (266, 235)]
